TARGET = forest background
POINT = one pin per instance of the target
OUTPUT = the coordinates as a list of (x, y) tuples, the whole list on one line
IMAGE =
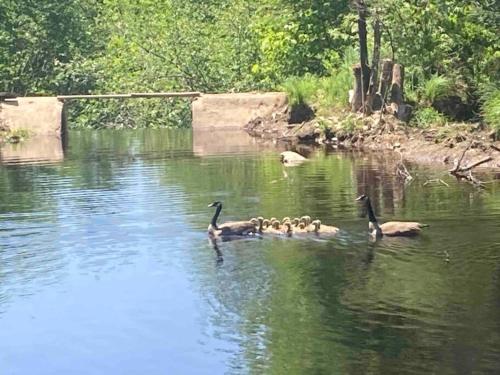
[(449, 48)]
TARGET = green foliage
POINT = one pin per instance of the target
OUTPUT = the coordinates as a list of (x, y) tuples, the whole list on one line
[(300, 37), (301, 90), (334, 89), (491, 109), (323, 93), (426, 117), (114, 46), (437, 87), (42, 42), (351, 123)]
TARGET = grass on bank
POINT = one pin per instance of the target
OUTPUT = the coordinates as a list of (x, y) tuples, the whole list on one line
[(326, 95), (323, 94), (491, 109)]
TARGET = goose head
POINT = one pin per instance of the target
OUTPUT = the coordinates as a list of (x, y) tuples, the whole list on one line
[(288, 227), (362, 198), (215, 204), (317, 225)]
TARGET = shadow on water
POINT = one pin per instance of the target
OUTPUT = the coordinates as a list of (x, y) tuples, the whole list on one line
[(105, 253)]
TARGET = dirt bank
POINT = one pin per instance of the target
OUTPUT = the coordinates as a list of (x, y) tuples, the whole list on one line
[(443, 146)]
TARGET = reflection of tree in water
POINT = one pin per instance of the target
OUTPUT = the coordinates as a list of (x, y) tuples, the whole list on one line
[(375, 177)]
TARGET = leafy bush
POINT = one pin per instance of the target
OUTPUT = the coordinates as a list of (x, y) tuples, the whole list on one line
[(437, 87), (301, 90), (491, 109), (428, 116), (334, 90), (350, 123)]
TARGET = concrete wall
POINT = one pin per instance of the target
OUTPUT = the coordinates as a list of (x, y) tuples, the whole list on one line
[(38, 115), (234, 110)]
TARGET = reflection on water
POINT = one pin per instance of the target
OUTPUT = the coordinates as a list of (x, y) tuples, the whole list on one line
[(105, 266), (208, 142), (40, 149)]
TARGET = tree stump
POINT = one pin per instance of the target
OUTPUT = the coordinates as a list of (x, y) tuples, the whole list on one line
[(357, 97), (385, 81), (397, 85), (401, 110)]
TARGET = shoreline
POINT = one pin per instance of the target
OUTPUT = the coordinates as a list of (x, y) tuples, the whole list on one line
[(441, 147)]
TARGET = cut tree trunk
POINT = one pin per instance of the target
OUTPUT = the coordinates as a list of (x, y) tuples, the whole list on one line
[(397, 84), (401, 110), (357, 96), (385, 79)]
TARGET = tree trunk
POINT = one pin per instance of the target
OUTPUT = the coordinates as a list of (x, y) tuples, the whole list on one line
[(401, 111), (385, 81), (398, 75), (357, 97), (363, 50), (374, 70)]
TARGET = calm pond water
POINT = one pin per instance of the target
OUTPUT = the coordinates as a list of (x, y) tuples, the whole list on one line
[(105, 266)]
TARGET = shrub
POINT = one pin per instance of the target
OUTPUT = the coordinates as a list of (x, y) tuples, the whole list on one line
[(437, 87), (300, 90), (350, 123), (428, 116), (491, 109), (334, 90)]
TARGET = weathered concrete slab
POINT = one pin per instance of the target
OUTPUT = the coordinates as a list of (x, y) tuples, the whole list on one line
[(234, 110), (38, 115)]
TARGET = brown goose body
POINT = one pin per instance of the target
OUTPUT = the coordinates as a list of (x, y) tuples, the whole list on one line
[(324, 229), (401, 228), (231, 228), (390, 228)]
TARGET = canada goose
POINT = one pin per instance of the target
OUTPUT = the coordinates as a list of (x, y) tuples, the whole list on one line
[(259, 223), (300, 228), (295, 221), (287, 228), (274, 228), (265, 224), (324, 229), (235, 228), (307, 221), (286, 218), (391, 228), (260, 219)]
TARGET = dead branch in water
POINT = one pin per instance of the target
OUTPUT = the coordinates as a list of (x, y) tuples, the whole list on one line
[(457, 166), (465, 172), (469, 167)]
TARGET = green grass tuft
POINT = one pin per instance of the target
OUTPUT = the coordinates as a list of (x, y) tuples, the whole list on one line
[(437, 87), (300, 90), (426, 117)]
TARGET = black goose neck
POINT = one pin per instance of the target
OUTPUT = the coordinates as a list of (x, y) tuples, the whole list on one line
[(216, 215), (371, 214)]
